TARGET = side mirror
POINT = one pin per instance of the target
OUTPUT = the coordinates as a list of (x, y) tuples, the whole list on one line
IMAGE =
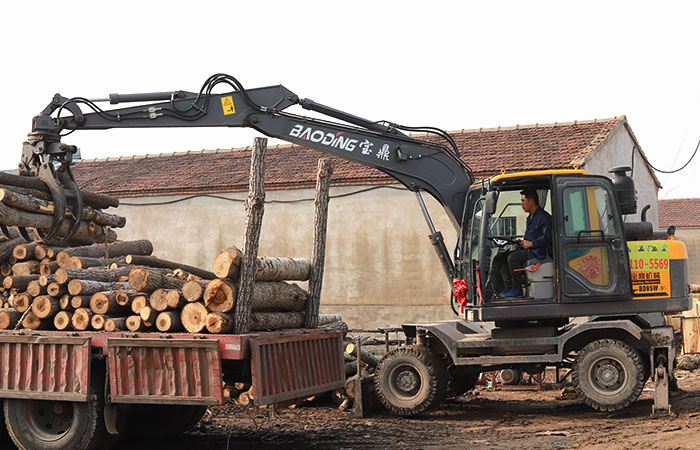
[(491, 200)]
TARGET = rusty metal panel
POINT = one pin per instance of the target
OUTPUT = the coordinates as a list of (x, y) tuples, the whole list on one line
[(169, 371), (45, 367), (291, 366)]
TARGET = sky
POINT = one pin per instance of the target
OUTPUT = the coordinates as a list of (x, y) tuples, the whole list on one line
[(452, 65)]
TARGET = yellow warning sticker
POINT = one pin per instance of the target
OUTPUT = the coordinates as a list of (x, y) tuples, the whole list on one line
[(227, 105), (649, 263)]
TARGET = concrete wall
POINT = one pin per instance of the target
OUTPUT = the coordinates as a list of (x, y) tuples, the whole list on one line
[(691, 238), (380, 267), (617, 151)]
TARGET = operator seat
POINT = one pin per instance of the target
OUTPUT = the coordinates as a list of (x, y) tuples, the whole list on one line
[(540, 278)]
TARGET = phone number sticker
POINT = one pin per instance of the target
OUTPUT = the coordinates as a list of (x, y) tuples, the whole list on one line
[(650, 269)]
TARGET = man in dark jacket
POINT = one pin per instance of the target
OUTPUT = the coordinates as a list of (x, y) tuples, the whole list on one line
[(536, 244)]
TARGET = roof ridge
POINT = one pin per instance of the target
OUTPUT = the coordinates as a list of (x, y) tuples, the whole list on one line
[(534, 125), (674, 199)]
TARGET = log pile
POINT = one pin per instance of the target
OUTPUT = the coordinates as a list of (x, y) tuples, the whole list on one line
[(120, 286)]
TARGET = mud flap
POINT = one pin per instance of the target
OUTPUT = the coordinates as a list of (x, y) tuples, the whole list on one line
[(662, 356)]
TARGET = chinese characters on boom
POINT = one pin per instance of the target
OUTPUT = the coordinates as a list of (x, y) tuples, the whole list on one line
[(649, 263), (337, 140)]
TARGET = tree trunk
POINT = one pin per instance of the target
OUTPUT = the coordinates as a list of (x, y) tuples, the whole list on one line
[(115, 324), (22, 302), (85, 262), (323, 183), (134, 323), (152, 261), (87, 232), (64, 302), (35, 289), (80, 301), (48, 267), (7, 247), (157, 300), (9, 318), (193, 290), (26, 268), (62, 320), (32, 322), (106, 303), (81, 319), (45, 306), (255, 207), (194, 317), (98, 322), (63, 276), (125, 297), (45, 280), (328, 319), (220, 296), (227, 263), (169, 321), (42, 251), (19, 282), (56, 290), (98, 201), (261, 321), (24, 251), (174, 299), (138, 303), (148, 315), (147, 281), (366, 356), (219, 323), (89, 287)]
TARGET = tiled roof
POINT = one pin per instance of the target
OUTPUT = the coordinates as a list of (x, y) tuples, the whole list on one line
[(681, 212), (487, 151)]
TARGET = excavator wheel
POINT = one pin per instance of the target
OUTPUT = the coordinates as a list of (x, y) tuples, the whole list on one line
[(608, 375), (410, 380)]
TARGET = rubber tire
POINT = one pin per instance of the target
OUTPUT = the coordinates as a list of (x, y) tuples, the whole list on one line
[(628, 359), (460, 382), (87, 431), (432, 376)]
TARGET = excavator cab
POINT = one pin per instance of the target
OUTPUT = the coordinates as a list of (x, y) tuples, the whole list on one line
[(586, 272)]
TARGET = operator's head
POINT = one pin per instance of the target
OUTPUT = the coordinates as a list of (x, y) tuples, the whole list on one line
[(529, 200)]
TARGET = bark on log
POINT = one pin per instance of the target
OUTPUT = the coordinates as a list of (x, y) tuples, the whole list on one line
[(45, 280), (138, 303), (366, 356), (260, 321), (327, 319), (62, 320), (80, 301), (35, 289), (111, 250), (85, 262), (194, 317), (243, 399), (134, 323), (220, 296), (115, 324), (56, 290), (174, 299), (8, 246), (125, 297), (219, 323), (64, 302), (22, 302), (24, 251), (30, 267), (18, 282), (157, 300), (48, 267), (98, 201), (9, 318), (81, 319), (87, 232), (169, 321), (193, 290), (89, 287), (152, 261), (16, 199), (323, 182), (42, 251), (106, 303), (32, 322), (45, 306), (6, 269), (227, 263), (255, 208), (63, 276), (148, 315), (147, 281)]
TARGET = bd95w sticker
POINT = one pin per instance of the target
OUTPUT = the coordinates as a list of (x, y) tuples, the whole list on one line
[(650, 267)]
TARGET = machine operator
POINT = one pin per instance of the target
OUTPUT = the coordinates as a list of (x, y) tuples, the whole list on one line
[(536, 244)]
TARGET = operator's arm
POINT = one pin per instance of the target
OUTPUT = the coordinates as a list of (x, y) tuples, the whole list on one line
[(539, 232)]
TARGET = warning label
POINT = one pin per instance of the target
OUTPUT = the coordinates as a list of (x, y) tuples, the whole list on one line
[(649, 264), (227, 105)]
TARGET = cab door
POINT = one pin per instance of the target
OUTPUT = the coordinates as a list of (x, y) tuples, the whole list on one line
[(592, 260)]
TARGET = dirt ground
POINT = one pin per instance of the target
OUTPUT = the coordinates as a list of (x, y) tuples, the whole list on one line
[(485, 419)]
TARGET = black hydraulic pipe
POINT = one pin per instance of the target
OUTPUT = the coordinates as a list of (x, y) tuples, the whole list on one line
[(145, 97), (350, 118)]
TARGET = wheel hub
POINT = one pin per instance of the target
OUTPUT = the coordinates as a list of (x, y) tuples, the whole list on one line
[(50, 420), (608, 374), (407, 381)]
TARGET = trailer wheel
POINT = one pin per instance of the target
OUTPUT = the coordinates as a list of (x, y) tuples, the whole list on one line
[(410, 380), (608, 375), (56, 425)]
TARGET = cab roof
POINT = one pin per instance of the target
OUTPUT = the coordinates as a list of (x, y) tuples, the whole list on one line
[(531, 173)]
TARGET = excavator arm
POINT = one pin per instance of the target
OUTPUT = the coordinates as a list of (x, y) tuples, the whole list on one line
[(420, 165)]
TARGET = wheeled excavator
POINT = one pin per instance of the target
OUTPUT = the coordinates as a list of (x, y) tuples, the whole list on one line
[(594, 306)]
